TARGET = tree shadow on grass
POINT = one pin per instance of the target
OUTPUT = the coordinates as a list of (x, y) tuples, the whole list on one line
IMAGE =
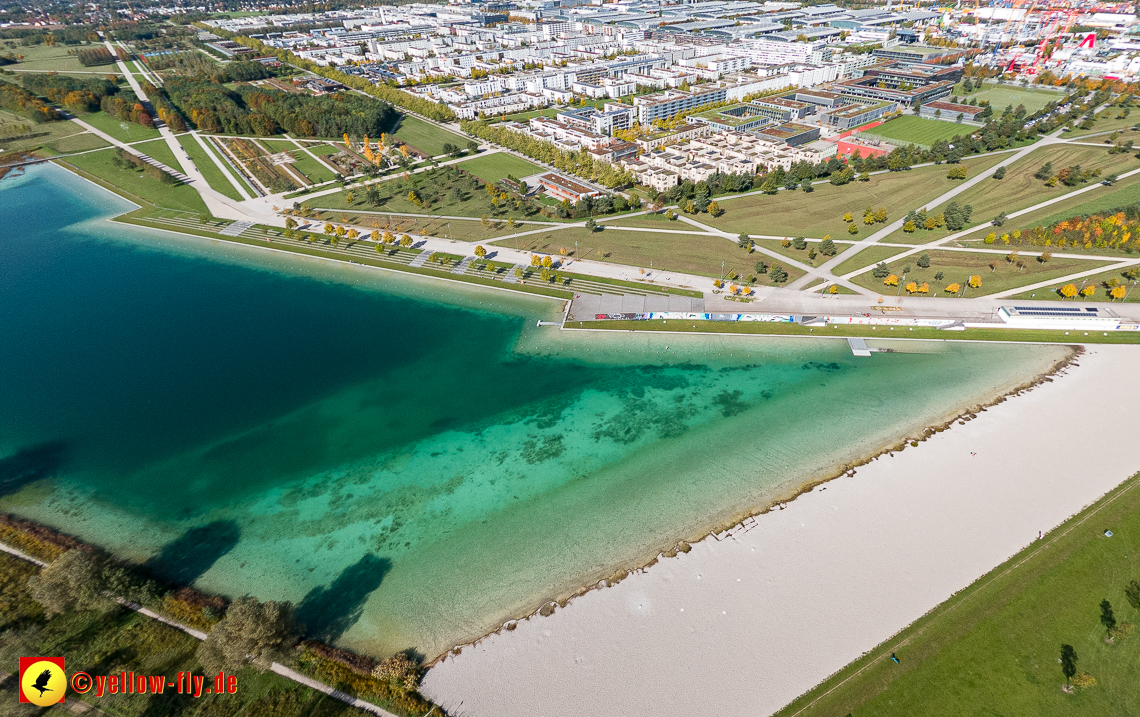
[(30, 464), (186, 559), (328, 612)]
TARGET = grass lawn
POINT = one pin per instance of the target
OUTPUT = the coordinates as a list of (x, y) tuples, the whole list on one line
[(160, 150), (55, 58), (1001, 96), (692, 254), (526, 116), (325, 150), (1108, 120), (459, 229), (871, 255), (494, 167), (206, 166), (647, 221), (98, 164), (1101, 199), (78, 142), (814, 214), (316, 171), (54, 137), (1096, 280), (993, 648), (959, 266), (926, 132), (1019, 189), (800, 255), (426, 137), (437, 186), (120, 130)]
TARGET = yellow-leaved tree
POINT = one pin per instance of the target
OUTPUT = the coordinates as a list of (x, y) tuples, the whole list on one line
[(1068, 291)]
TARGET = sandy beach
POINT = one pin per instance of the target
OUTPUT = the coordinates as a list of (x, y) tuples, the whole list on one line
[(749, 622)]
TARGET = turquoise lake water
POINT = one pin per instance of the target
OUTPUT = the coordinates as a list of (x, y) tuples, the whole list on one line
[(410, 463)]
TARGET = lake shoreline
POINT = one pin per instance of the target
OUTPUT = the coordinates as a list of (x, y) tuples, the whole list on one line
[(548, 606), (955, 510)]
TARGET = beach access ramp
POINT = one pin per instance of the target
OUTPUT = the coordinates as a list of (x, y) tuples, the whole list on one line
[(858, 347)]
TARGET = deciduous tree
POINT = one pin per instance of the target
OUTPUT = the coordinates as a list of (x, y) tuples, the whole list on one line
[(251, 630)]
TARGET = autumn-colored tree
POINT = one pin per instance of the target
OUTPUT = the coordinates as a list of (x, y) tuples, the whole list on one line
[(1088, 290), (352, 234), (953, 288), (388, 238), (374, 235), (891, 280), (847, 217), (975, 281), (330, 229), (340, 232), (405, 240), (1118, 292), (880, 215), (1068, 291), (350, 197), (909, 227), (534, 260), (547, 262), (715, 209), (912, 287), (480, 252)]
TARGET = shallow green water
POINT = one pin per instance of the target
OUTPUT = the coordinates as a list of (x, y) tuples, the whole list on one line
[(410, 469)]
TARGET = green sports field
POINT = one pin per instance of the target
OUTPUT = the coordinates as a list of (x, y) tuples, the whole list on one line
[(426, 137), (910, 129)]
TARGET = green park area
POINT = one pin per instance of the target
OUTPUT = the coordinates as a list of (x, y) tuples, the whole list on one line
[(866, 257), (425, 136), (119, 129), (701, 254), (55, 58), (526, 116), (1098, 199), (1002, 96), (1108, 120), (135, 185), (998, 270), (1020, 188), (649, 220), (205, 164), (441, 191), (995, 647), (497, 166), (820, 212), (19, 134), (916, 130)]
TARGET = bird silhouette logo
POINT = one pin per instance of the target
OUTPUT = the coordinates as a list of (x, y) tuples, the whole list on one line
[(42, 680)]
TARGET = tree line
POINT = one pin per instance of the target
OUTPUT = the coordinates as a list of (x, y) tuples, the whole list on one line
[(72, 92), (437, 111), (578, 162), (252, 110), (18, 100)]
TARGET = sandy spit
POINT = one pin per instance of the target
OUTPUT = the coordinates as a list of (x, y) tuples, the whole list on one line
[(752, 621)]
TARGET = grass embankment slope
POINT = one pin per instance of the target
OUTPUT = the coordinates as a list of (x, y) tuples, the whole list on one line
[(994, 648), (820, 212)]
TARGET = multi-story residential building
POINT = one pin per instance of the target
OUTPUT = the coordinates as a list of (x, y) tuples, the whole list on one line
[(667, 104)]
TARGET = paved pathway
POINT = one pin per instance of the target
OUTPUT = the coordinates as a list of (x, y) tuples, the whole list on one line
[(825, 268)]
